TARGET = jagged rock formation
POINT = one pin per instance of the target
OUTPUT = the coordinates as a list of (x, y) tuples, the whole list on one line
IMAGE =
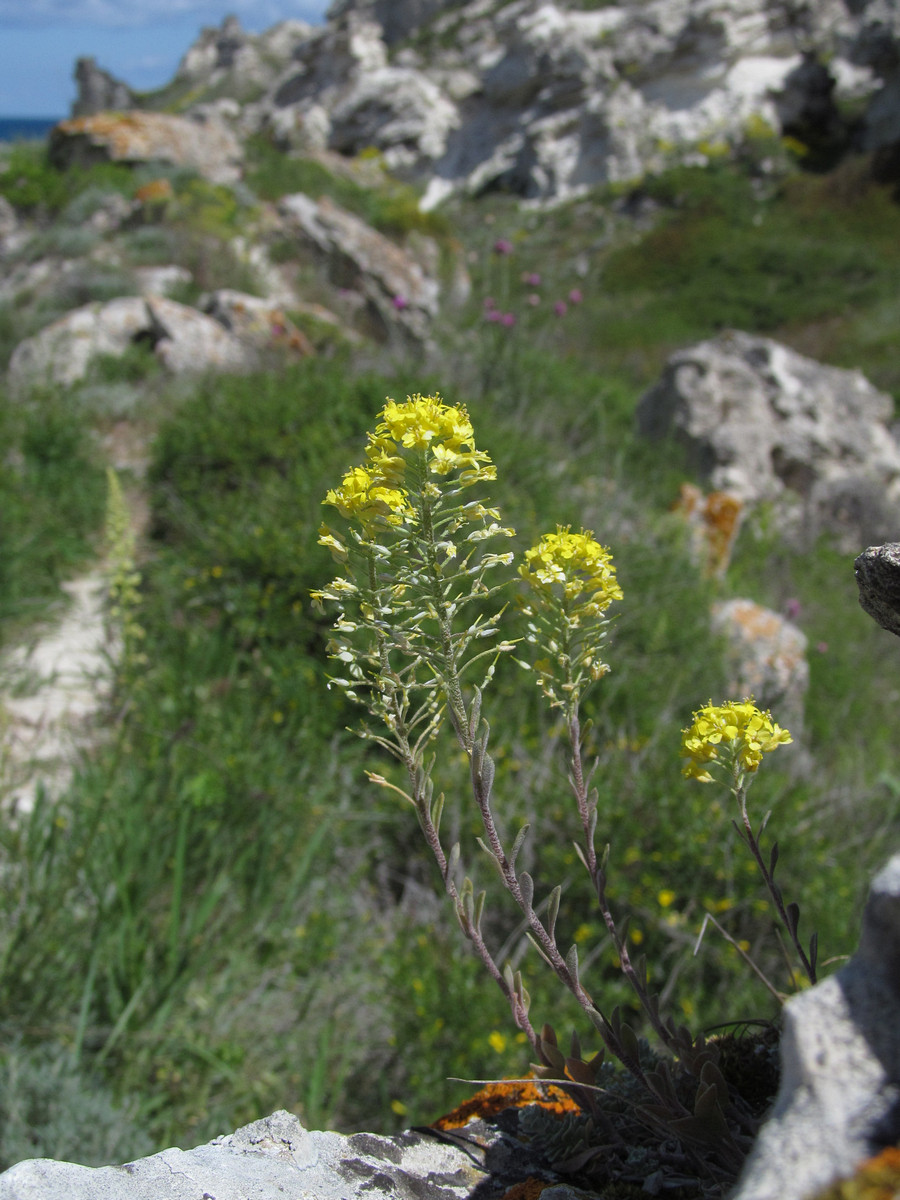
[(767, 424), (542, 99), (276, 1158), (546, 100), (98, 91)]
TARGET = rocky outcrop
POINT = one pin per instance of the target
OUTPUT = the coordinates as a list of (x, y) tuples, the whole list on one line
[(98, 91), (276, 1158), (227, 59), (543, 98), (182, 339), (257, 323), (398, 298), (205, 144), (766, 424), (546, 100)]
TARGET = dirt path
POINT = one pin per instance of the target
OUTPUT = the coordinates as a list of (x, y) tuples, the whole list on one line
[(55, 683)]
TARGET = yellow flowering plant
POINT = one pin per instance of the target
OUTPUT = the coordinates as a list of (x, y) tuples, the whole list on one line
[(727, 742), (418, 636)]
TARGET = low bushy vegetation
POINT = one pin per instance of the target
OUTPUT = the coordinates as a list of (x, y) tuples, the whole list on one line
[(221, 916)]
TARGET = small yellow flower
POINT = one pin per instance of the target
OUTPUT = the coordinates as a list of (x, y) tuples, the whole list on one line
[(578, 564), (665, 898), (497, 1041), (738, 730), (424, 424), (363, 495)]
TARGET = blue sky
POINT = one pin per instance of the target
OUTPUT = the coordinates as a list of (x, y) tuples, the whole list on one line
[(140, 41)]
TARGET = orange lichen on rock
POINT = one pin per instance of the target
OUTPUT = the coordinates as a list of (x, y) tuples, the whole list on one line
[(714, 521), (877, 1178), (497, 1097), (157, 191), (527, 1189)]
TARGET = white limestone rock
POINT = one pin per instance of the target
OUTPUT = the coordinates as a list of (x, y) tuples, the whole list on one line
[(183, 339), (768, 424), (271, 1159), (549, 101), (401, 298), (839, 1099)]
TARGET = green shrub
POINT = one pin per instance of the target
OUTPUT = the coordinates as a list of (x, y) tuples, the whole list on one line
[(30, 183)]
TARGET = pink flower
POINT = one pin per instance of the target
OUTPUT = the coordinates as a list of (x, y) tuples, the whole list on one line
[(822, 647), (560, 308), (489, 302), (532, 279), (493, 314), (508, 319), (575, 296), (792, 608), (503, 246), (400, 302), (533, 299)]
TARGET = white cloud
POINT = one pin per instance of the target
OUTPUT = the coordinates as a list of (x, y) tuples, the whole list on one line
[(112, 14)]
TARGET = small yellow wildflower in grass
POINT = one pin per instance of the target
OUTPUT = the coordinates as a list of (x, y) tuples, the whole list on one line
[(735, 735), (497, 1041)]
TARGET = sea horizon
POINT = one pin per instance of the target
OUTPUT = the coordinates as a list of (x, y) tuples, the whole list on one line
[(15, 129)]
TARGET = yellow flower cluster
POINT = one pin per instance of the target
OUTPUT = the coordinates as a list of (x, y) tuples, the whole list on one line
[(741, 729), (443, 432), (576, 562), (364, 495)]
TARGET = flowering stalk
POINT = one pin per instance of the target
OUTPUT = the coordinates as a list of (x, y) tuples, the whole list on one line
[(731, 740), (122, 578)]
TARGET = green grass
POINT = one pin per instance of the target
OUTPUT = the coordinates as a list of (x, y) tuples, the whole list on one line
[(51, 499), (31, 184), (392, 208)]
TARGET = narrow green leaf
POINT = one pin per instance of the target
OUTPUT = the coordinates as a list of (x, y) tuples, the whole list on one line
[(572, 962), (553, 909), (517, 844)]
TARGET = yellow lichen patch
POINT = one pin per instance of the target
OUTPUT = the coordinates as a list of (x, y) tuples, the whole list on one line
[(497, 1097)]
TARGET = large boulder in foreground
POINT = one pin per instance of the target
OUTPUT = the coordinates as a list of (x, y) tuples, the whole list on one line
[(766, 424), (204, 142)]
